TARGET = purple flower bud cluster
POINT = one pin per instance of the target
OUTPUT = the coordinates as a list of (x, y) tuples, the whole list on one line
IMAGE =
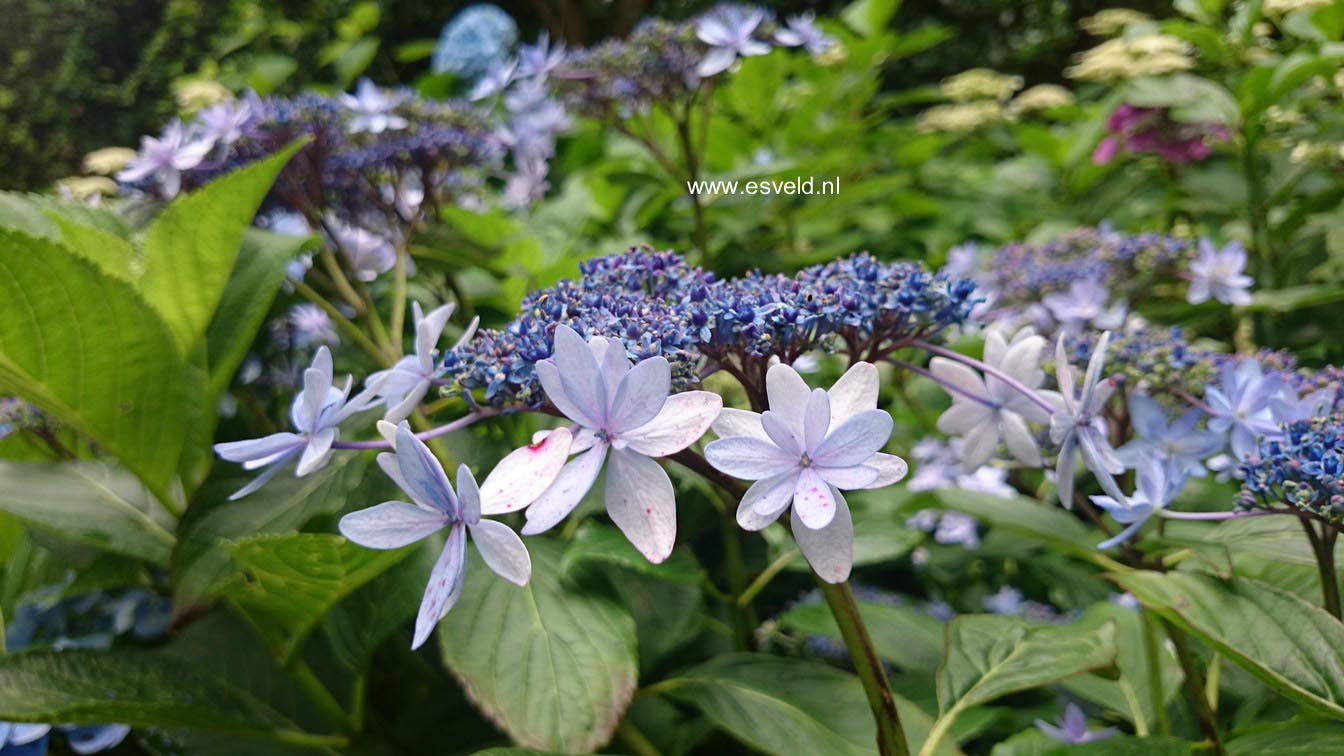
[(359, 160), (657, 304), (624, 77), (15, 415), (1303, 468), (1140, 130), (1023, 273)]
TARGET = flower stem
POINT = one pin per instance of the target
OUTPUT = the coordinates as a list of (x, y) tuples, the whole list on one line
[(398, 297), (307, 680), (636, 741), (1324, 547), (768, 574), (890, 735), (1195, 690), (442, 430), (343, 324)]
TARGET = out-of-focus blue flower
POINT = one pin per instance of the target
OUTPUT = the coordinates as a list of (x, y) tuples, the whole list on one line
[(222, 124), (801, 31), (1072, 728), (1008, 600), (1085, 304), (87, 739), (1179, 445), (369, 254), (310, 324), (495, 80), (165, 158), (1240, 404), (402, 386), (729, 30), (1218, 273), (541, 59), (1156, 489), (478, 36), (373, 109)]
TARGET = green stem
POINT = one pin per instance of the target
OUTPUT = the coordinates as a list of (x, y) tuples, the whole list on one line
[(743, 615), (1156, 696), (343, 324), (309, 740), (399, 297), (768, 574), (635, 740), (1256, 209), (1324, 547), (317, 692), (890, 735), (1195, 691), (359, 688)]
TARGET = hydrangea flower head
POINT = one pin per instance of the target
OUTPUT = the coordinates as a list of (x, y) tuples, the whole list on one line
[(223, 123), (394, 524), (478, 37), (625, 416), (808, 447), (801, 31), (1302, 468)]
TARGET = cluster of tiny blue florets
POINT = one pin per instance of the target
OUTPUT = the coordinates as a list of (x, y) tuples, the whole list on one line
[(1024, 272), (1303, 468), (657, 304)]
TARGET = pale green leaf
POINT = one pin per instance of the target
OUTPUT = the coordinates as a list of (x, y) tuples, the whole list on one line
[(907, 636), (552, 666), (98, 503), (291, 581), (1293, 646), (791, 706)]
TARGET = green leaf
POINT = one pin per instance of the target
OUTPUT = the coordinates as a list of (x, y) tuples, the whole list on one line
[(136, 688), (989, 656), (553, 666), (1130, 692), (869, 17), (292, 580), (904, 635), (415, 50), (97, 503), (597, 542), (363, 620), (191, 247), (110, 252), (790, 706), (1043, 522), (86, 348), (1289, 739), (1291, 645), (247, 297), (283, 504), (1191, 99)]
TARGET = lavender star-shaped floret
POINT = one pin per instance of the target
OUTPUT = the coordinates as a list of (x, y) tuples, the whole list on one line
[(728, 31), (1078, 426), (1179, 444), (394, 524), (317, 412), (165, 158), (405, 384), (1072, 728), (1219, 274), (625, 416), (1241, 404), (808, 447)]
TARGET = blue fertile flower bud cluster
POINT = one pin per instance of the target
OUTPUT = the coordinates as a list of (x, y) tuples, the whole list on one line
[(1303, 468), (657, 304)]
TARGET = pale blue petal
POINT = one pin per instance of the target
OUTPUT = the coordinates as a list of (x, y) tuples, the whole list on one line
[(445, 585), (391, 525)]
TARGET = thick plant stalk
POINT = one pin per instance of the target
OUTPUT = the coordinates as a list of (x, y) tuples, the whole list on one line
[(890, 734), (1195, 689), (1323, 545)]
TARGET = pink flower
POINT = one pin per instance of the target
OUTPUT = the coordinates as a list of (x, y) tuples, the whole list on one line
[(1152, 130)]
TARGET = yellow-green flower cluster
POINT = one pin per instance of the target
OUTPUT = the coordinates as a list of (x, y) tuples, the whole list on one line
[(1284, 7), (1041, 97), (980, 84), (1112, 20), (962, 117), (1130, 57)]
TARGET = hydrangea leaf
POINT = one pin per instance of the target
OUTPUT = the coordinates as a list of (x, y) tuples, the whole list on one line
[(596, 542), (86, 348), (284, 504), (990, 656), (191, 247), (363, 620), (97, 503), (791, 707), (1293, 646), (551, 665), (1128, 693), (135, 688), (291, 580)]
